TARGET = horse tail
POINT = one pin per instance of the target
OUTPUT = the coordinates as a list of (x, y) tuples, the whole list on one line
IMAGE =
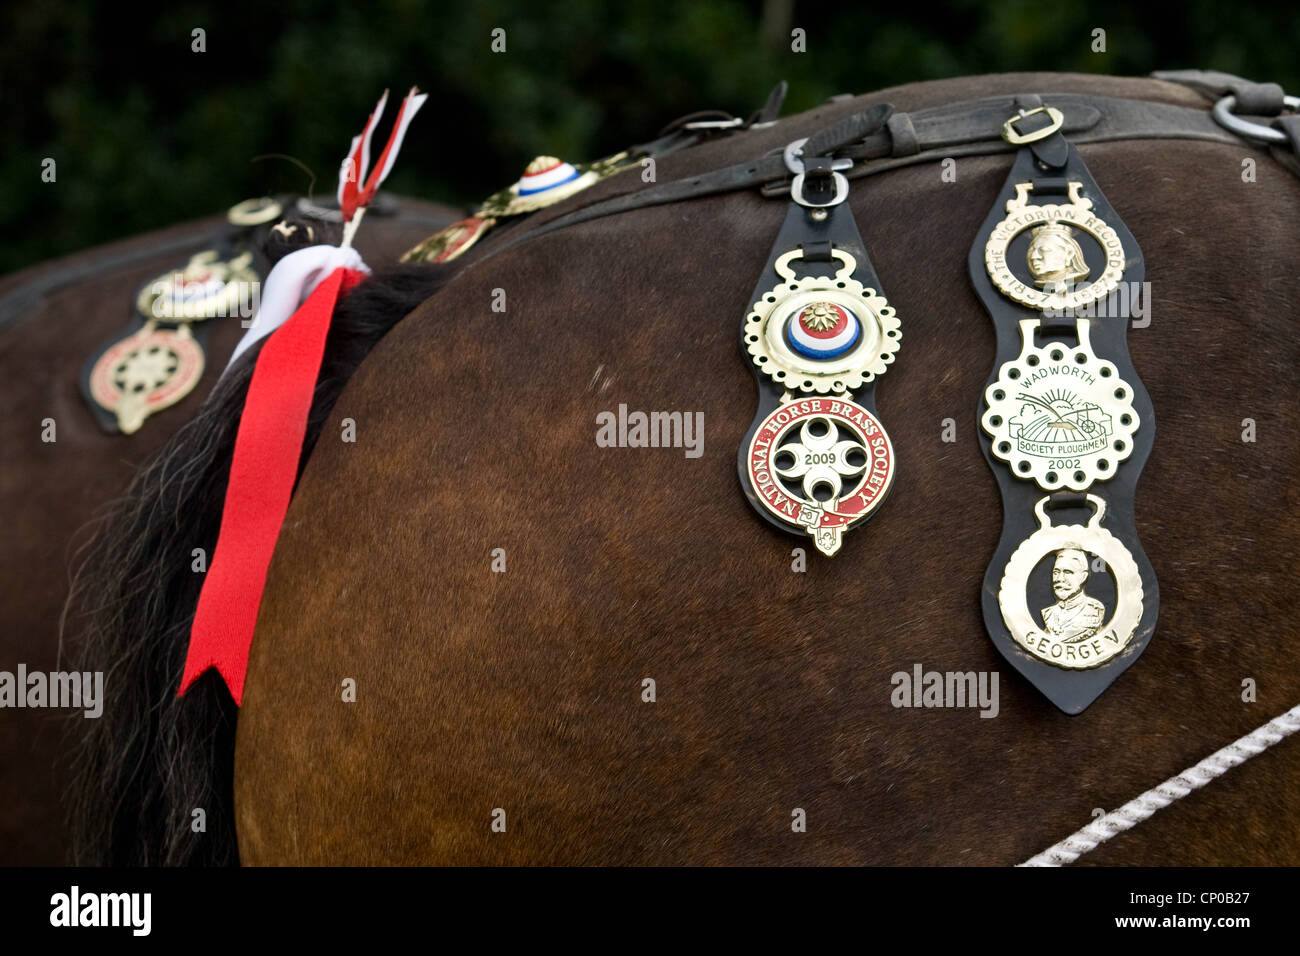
[(147, 766)]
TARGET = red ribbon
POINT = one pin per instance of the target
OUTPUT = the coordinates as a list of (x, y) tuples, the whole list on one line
[(262, 473)]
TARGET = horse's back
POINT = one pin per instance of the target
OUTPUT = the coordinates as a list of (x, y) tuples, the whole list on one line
[(500, 587)]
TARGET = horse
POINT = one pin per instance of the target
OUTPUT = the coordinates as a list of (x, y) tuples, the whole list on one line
[(486, 639), (52, 317)]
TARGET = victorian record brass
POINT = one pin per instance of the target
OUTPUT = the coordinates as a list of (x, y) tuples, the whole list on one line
[(1055, 259)]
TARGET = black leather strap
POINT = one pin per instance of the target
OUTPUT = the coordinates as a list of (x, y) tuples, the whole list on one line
[(848, 130), (1253, 99), (771, 110), (816, 237), (956, 129), (1070, 690)]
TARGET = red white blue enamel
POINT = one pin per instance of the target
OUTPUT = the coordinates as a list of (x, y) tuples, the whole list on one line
[(823, 330)]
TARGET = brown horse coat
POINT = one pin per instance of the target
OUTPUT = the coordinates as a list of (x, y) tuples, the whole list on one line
[(522, 691)]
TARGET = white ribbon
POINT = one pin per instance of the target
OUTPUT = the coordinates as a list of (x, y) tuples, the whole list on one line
[(288, 285)]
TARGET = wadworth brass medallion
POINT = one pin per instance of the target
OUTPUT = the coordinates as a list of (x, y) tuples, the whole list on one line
[(1058, 414), (817, 460), (1070, 598)]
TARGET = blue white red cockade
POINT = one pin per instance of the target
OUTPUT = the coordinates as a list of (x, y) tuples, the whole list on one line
[(823, 330)]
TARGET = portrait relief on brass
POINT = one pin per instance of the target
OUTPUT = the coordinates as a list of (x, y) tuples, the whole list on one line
[(1074, 628), (1055, 274), (1058, 414), (822, 334)]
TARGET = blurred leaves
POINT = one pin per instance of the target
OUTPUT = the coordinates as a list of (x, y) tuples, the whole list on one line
[(147, 133)]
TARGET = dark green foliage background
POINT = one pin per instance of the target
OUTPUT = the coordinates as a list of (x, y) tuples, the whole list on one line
[(146, 133)]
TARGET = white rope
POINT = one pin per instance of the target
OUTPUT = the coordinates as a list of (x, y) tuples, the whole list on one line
[(1135, 811)]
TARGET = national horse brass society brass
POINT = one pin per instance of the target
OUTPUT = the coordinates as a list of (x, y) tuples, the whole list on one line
[(817, 461), (1070, 604)]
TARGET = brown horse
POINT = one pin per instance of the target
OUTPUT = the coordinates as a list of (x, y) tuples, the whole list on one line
[(502, 716), (52, 317)]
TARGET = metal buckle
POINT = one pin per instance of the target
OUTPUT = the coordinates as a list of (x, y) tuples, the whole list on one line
[(1016, 138), (793, 155), (841, 191), (1224, 116)]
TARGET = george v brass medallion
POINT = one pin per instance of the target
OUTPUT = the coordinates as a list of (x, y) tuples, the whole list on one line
[(1077, 630)]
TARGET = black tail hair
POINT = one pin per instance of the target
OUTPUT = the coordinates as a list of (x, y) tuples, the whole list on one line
[(152, 759)]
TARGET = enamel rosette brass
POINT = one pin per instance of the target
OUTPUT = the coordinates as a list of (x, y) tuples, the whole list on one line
[(1077, 632), (161, 362), (823, 334), (1058, 415), (204, 288), (817, 460)]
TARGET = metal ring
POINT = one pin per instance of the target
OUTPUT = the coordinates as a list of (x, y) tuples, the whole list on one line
[(254, 212), (715, 124), (1224, 116), (841, 191)]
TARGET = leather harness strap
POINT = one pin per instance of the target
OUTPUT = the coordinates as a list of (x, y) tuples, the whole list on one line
[(878, 139), (1253, 99), (1238, 96)]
